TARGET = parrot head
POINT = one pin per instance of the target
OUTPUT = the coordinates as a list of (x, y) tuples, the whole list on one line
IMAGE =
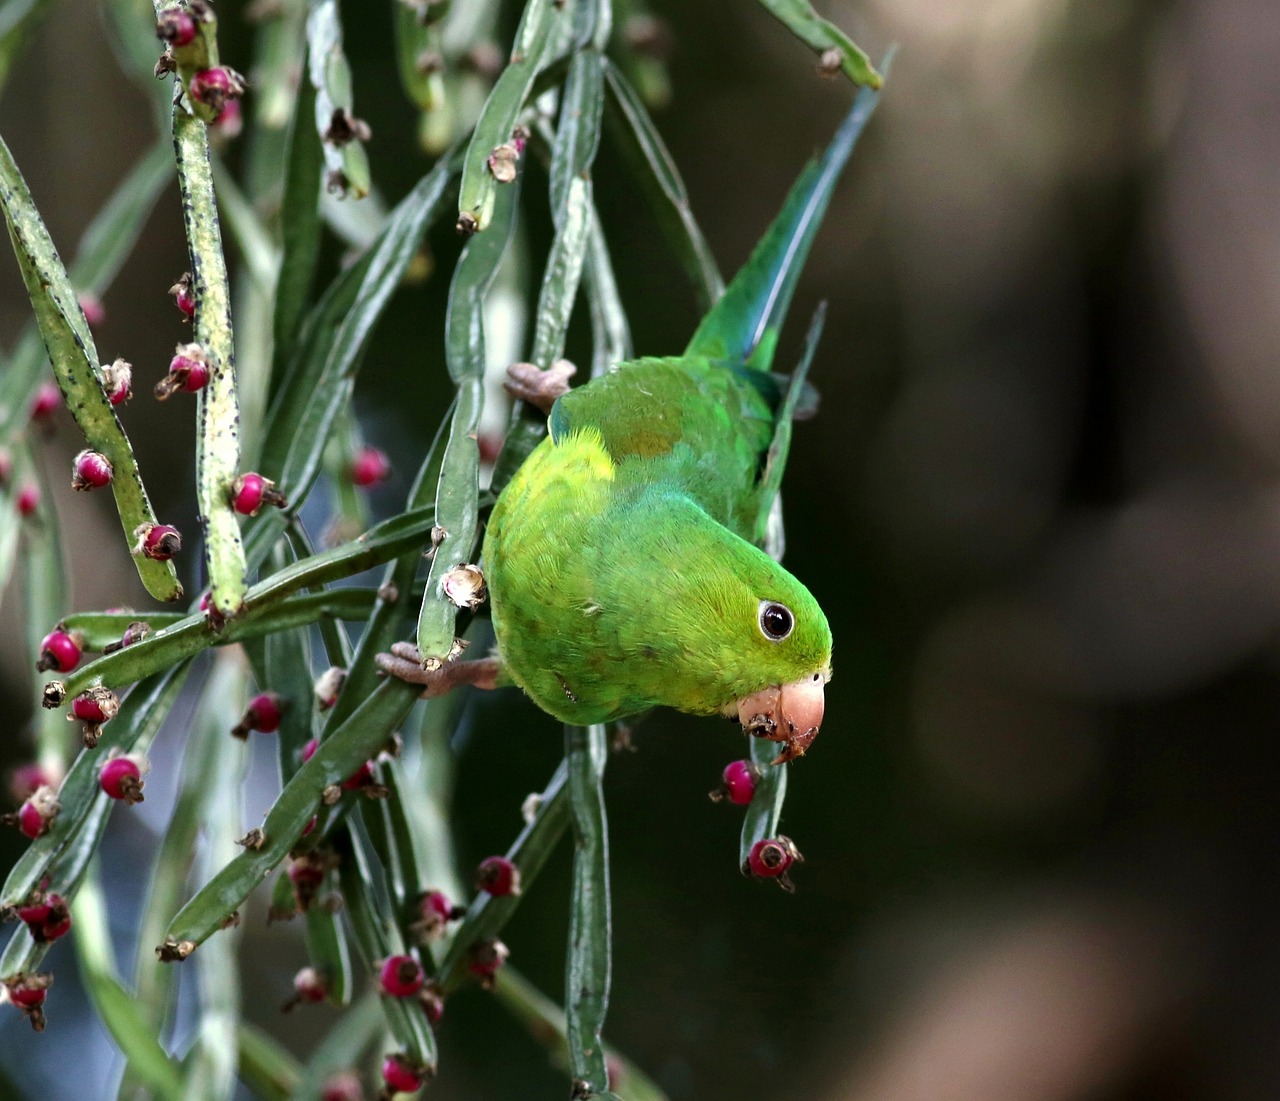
[(724, 628)]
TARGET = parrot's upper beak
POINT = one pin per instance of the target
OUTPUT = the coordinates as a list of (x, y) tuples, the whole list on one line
[(788, 713)]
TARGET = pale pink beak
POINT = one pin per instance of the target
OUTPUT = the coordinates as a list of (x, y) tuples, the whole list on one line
[(788, 713)]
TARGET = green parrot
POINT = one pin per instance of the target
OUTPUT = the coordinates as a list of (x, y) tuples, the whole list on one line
[(623, 560)]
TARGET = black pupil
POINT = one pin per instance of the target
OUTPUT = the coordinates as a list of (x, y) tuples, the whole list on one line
[(776, 621)]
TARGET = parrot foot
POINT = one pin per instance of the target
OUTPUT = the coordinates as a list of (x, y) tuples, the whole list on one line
[(405, 663), (526, 382)]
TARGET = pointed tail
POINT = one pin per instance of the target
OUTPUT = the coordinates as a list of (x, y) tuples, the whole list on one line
[(743, 326)]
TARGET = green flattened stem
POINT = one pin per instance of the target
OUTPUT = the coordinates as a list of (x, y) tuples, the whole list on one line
[(194, 633), (211, 1064), (141, 713), (835, 48), (589, 952), (342, 1047), (487, 914), (299, 229), (420, 55), (532, 50), (361, 737), (765, 808), (75, 365), (346, 162), (103, 248), (377, 932), (457, 493), (318, 382), (18, 19), (659, 179), (610, 330), (546, 1023), (266, 1067), (217, 411), (116, 1007)]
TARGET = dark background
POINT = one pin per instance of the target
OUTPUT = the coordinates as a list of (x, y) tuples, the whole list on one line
[(1039, 506)]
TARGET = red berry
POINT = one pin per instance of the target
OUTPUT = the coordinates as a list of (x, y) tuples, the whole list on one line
[(92, 308), (97, 705), (230, 121), (188, 370), (485, 957), (309, 826), (343, 1086), (27, 992), (401, 1076), (47, 916), (91, 470), (498, 876), (370, 466), (309, 985), (158, 541), (400, 977), (362, 777), (215, 87), (263, 714), (59, 651), (740, 779), (35, 815), (177, 27), (771, 858), (184, 295), (117, 380), (27, 779), (306, 873), (121, 778), (251, 491), (48, 398), (28, 499), (309, 750)]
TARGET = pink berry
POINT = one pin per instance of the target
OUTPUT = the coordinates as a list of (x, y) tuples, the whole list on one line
[(401, 1076), (230, 120), (309, 750), (30, 821), (216, 87), (771, 858), (184, 295), (47, 400), (26, 992), (188, 370), (117, 380), (92, 308), (27, 779), (484, 959), (28, 499), (251, 491), (309, 985), (343, 1086), (97, 705), (47, 916), (498, 876), (306, 873), (370, 466), (59, 651), (91, 470), (121, 778), (400, 977), (436, 912), (362, 777), (176, 27), (740, 779), (158, 541), (263, 714)]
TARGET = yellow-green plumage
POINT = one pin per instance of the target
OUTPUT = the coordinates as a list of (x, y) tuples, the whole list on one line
[(620, 561)]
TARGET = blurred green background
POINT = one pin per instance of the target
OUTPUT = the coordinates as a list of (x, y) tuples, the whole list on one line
[(1039, 505)]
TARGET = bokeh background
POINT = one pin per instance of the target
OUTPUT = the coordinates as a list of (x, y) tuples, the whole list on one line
[(1039, 506)]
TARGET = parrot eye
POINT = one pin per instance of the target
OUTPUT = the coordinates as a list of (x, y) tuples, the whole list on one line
[(776, 620)]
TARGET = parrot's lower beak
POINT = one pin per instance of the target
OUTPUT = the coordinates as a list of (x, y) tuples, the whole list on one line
[(788, 713)]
